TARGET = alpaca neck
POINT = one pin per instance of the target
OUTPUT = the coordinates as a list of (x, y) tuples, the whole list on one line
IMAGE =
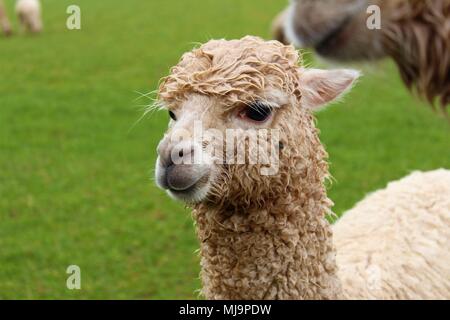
[(282, 252)]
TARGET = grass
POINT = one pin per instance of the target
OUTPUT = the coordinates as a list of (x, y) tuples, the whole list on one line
[(75, 183)]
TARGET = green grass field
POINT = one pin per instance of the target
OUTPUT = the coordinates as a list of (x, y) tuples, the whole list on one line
[(75, 174)]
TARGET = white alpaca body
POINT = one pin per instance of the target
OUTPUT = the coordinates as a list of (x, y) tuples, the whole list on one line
[(395, 244), (29, 13)]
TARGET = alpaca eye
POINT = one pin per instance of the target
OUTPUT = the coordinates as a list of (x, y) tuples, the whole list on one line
[(257, 112), (172, 116)]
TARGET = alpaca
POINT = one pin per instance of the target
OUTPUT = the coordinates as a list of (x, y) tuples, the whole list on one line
[(4, 21), (415, 33), (266, 236), (29, 13)]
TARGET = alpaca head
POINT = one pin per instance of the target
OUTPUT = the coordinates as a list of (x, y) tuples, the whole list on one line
[(414, 33), (242, 126), (335, 29)]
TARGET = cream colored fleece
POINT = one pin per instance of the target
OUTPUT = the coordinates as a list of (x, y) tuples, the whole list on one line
[(395, 244)]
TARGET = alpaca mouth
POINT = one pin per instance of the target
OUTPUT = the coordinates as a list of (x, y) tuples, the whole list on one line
[(333, 37), (194, 192)]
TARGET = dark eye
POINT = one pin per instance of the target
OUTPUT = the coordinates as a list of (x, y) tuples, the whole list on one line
[(172, 116), (256, 111)]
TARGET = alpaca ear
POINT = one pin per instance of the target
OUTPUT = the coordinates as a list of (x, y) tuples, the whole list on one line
[(320, 87)]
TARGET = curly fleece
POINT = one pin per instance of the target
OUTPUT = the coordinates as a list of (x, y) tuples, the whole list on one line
[(418, 38), (262, 237), (232, 72), (395, 243)]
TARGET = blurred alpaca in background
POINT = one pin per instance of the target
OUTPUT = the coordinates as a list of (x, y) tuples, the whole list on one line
[(29, 13), (414, 33), (4, 21)]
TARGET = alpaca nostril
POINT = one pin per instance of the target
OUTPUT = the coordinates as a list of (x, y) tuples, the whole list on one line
[(182, 154)]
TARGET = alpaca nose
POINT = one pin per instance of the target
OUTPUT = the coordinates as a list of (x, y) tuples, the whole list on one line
[(177, 171), (183, 154), (180, 153)]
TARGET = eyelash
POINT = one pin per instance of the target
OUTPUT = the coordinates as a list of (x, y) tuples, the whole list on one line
[(256, 112)]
